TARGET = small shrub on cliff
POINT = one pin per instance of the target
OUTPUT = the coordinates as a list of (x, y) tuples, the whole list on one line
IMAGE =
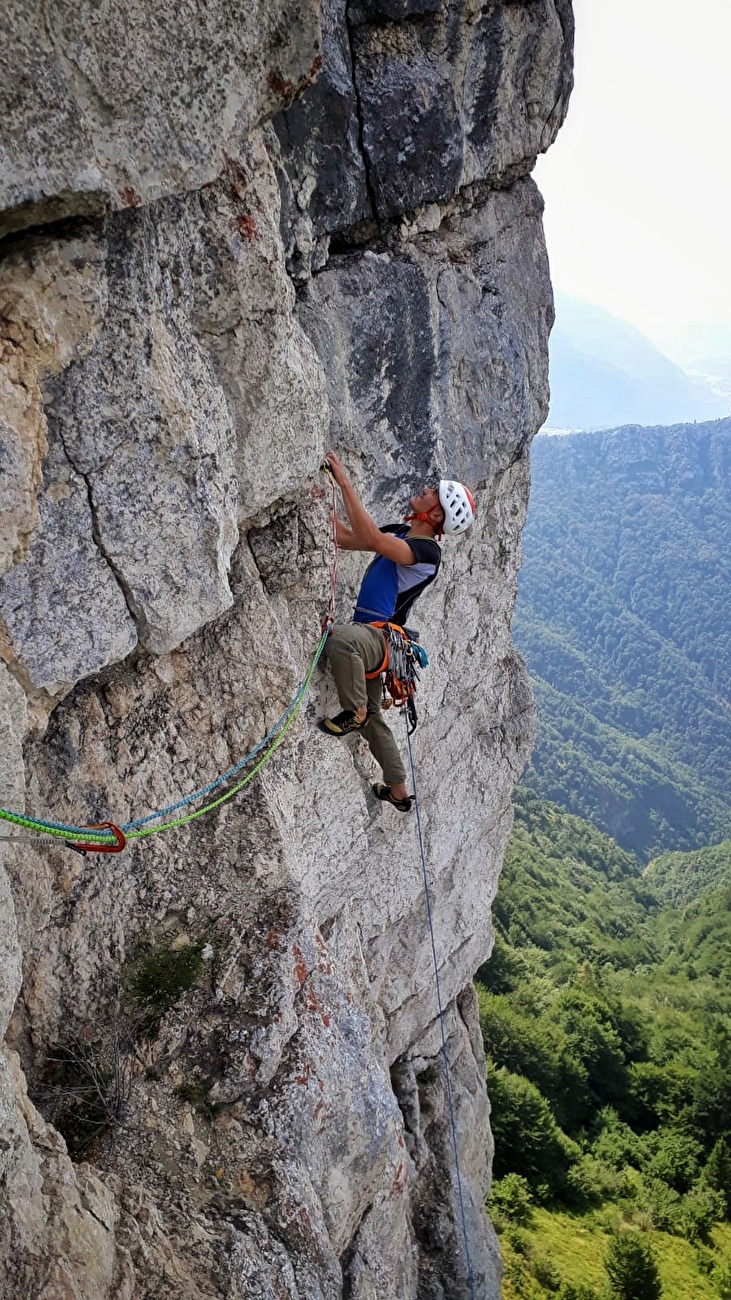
[(158, 975), (87, 1084)]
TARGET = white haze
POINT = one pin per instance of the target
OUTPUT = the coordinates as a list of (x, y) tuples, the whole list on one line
[(638, 184)]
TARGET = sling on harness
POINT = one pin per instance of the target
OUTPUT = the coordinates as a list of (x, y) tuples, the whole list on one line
[(402, 659)]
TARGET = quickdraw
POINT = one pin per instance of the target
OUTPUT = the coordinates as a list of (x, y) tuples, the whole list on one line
[(118, 846), (402, 659)]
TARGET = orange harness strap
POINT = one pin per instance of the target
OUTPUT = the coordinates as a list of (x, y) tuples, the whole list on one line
[(371, 676)]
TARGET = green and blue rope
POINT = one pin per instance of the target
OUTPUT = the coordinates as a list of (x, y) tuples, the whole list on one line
[(140, 829)]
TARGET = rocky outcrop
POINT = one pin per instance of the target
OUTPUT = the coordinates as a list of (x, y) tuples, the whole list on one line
[(229, 1034)]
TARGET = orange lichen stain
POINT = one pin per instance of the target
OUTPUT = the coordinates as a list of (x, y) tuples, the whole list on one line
[(130, 197), (300, 966), (311, 1000), (281, 85), (246, 226)]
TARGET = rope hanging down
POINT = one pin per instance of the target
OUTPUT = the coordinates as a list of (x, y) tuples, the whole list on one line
[(445, 1058), (111, 838)]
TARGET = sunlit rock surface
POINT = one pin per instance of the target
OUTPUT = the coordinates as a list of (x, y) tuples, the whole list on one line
[(275, 1124)]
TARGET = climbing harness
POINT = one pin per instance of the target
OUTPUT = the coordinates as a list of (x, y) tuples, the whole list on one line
[(108, 837), (402, 659), (445, 1058)]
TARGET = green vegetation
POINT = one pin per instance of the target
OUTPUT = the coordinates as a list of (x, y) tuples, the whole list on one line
[(606, 1017), (159, 974), (196, 1092), (86, 1082), (631, 1268), (624, 619), (575, 1245), (678, 878)]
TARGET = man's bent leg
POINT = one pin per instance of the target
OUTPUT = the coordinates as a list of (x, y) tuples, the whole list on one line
[(381, 740), (354, 649)]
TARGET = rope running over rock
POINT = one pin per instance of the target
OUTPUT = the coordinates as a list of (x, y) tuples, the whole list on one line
[(140, 829)]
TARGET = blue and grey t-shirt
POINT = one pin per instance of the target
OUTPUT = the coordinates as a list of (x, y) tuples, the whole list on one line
[(388, 589)]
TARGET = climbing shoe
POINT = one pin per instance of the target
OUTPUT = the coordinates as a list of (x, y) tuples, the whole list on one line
[(383, 792), (341, 724)]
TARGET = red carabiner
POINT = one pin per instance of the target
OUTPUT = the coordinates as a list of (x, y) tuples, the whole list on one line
[(104, 848)]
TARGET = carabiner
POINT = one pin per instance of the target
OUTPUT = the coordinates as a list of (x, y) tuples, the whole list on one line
[(117, 847)]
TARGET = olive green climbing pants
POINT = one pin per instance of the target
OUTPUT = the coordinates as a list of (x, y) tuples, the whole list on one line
[(353, 650)]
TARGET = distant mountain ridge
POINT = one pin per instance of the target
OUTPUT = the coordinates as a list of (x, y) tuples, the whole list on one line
[(605, 373), (624, 619)]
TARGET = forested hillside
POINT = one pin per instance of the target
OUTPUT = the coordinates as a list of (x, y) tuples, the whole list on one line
[(678, 878), (605, 1015), (624, 618)]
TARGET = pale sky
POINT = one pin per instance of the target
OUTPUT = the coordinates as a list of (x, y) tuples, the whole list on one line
[(638, 184)]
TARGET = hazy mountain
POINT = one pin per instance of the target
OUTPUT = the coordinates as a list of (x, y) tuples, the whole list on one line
[(704, 352), (624, 619), (605, 373)]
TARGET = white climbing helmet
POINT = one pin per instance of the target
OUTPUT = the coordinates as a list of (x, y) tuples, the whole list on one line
[(458, 505)]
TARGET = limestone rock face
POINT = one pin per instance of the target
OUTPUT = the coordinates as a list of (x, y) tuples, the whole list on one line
[(223, 1068), (428, 96), (127, 103), (191, 365)]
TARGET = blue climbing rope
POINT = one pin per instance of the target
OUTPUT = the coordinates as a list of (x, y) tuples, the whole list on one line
[(225, 776), (87, 835), (447, 1074)]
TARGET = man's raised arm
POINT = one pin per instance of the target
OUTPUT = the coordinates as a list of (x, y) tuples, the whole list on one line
[(364, 534)]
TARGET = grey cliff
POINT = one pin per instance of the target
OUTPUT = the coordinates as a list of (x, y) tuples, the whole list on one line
[(235, 236)]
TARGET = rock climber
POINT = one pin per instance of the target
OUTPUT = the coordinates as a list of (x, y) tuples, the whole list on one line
[(406, 561)]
